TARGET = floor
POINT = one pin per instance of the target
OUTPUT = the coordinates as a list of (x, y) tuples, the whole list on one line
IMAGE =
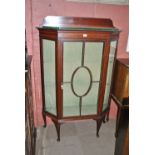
[(77, 138)]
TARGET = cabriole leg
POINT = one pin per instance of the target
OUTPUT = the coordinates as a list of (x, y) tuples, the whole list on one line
[(98, 122), (44, 118), (104, 119), (107, 115), (57, 126)]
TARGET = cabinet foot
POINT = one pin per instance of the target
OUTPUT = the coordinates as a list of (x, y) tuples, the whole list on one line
[(104, 119), (44, 118), (57, 126), (98, 122), (107, 115)]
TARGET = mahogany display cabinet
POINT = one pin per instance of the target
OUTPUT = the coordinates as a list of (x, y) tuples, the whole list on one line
[(77, 60)]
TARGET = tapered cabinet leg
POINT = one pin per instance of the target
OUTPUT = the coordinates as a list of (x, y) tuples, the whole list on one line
[(117, 122), (98, 122), (44, 118), (107, 116), (57, 126), (104, 119)]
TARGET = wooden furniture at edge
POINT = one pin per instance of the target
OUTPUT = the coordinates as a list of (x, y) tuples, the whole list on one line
[(120, 95), (122, 138), (30, 130), (77, 58)]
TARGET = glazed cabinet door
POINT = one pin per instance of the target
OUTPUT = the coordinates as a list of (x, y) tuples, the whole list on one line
[(82, 65)]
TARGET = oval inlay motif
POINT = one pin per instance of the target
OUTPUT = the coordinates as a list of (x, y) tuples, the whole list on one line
[(81, 81)]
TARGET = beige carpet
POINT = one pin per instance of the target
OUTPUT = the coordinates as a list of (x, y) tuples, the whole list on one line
[(77, 138)]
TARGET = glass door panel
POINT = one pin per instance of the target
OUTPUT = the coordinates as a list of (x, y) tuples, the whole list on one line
[(113, 45), (70, 102), (93, 58), (81, 77), (72, 56), (90, 101), (49, 75)]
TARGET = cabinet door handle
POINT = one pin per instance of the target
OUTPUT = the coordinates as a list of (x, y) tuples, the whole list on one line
[(61, 86)]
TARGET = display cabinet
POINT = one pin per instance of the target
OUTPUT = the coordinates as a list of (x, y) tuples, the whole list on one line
[(77, 59)]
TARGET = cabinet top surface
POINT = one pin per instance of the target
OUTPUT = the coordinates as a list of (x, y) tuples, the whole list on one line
[(77, 23)]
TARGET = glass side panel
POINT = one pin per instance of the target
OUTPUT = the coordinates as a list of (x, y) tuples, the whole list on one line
[(90, 101), (93, 58), (49, 75), (113, 45), (72, 55), (70, 102)]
